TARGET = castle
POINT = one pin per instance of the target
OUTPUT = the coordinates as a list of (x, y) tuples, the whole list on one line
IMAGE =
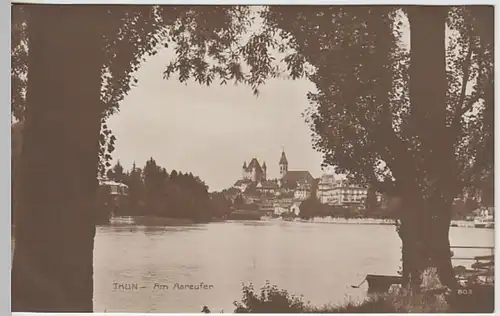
[(257, 173), (254, 172), (273, 195)]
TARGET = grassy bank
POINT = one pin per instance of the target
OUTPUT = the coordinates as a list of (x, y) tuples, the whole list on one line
[(270, 299)]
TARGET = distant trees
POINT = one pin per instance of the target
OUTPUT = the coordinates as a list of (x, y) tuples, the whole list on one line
[(116, 172), (220, 205), (154, 192), (136, 193), (310, 208), (238, 201)]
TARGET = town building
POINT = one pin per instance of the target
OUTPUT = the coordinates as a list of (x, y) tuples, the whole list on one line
[(266, 205), (292, 179), (326, 193), (268, 187), (303, 192), (295, 209), (242, 185), (340, 192), (282, 204)]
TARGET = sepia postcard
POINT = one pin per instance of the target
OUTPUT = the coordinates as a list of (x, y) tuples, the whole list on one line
[(252, 159)]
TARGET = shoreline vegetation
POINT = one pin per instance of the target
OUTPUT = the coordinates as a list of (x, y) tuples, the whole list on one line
[(169, 221), (161, 221), (271, 299)]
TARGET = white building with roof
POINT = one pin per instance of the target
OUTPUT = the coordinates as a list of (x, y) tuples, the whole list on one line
[(340, 192)]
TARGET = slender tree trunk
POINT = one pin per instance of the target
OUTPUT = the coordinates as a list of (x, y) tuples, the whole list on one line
[(53, 260)]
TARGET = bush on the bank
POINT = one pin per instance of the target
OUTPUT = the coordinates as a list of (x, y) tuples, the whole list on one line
[(371, 305), (273, 300), (269, 300)]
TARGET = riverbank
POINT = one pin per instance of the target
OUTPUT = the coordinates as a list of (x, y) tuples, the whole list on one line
[(166, 221), (363, 221), (150, 221), (374, 221)]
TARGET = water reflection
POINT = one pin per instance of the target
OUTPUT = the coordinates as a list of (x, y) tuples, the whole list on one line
[(148, 230)]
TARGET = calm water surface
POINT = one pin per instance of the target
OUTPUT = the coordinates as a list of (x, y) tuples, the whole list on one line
[(319, 261)]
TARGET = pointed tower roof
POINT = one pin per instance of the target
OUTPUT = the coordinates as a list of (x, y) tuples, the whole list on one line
[(264, 165), (254, 164), (283, 160), (244, 164)]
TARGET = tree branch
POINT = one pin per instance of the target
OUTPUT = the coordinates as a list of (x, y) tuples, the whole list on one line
[(469, 105), (460, 109), (465, 79), (394, 152)]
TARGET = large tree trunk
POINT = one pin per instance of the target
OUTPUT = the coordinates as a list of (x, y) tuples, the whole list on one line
[(16, 144), (424, 231), (428, 221), (414, 256), (53, 259), (438, 239)]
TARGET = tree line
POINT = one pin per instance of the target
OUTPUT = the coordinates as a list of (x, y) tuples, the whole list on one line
[(152, 191)]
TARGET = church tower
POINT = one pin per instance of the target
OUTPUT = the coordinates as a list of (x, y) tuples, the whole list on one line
[(283, 164), (264, 171)]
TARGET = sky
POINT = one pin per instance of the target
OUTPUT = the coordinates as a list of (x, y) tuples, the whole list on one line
[(211, 131)]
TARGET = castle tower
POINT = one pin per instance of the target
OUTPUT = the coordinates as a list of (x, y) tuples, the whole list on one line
[(283, 164), (244, 171), (264, 171), (254, 169)]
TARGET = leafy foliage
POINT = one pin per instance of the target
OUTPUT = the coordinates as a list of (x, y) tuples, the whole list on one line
[(310, 207), (130, 33), (371, 201), (106, 147), (220, 205), (273, 300), (116, 173), (362, 117), (270, 300), (19, 61)]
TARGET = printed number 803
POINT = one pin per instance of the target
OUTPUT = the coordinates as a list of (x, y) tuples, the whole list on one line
[(464, 291)]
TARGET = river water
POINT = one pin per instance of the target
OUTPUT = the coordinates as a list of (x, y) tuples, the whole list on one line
[(318, 260)]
